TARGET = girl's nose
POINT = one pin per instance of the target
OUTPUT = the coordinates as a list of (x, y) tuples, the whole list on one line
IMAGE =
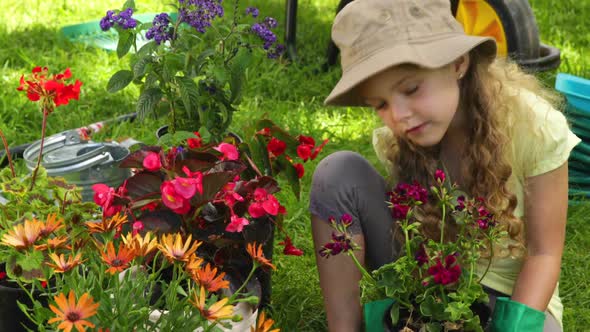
[(399, 112)]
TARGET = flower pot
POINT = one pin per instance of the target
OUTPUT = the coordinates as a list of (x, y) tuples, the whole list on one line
[(11, 317)]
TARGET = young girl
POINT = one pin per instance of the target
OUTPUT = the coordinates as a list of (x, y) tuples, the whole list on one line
[(445, 100)]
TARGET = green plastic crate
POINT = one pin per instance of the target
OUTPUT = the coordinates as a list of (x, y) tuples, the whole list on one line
[(89, 33)]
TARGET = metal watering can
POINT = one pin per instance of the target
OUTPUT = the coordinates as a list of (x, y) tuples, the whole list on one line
[(81, 162)]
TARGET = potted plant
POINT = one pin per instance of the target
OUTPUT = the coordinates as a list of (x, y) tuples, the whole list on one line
[(193, 69), (25, 195), (434, 284), (219, 192)]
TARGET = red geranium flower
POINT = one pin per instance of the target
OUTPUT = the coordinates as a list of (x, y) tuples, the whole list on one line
[(276, 147), (52, 91), (445, 274)]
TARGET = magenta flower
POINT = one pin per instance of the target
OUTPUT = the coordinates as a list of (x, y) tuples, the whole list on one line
[(229, 196), (440, 176), (421, 256), (229, 151), (185, 187), (104, 196), (172, 199), (137, 227), (400, 211), (263, 204), (339, 244), (236, 224), (152, 162), (460, 203), (346, 219), (445, 274)]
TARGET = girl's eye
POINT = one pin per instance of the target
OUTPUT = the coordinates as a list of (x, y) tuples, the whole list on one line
[(412, 90), (380, 107)]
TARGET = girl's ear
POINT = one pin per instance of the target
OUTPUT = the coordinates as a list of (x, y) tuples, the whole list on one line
[(461, 65)]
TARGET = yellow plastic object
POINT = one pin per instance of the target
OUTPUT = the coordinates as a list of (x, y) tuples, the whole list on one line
[(480, 19)]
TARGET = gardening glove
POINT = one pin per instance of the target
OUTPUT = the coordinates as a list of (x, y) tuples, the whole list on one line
[(374, 314), (512, 316)]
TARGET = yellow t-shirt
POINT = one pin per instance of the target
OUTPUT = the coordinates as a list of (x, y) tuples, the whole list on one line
[(543, 145)]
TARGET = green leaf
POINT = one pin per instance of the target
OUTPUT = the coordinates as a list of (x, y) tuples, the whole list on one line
[(31, 260), (394, 313), (119, 80), (181, 291), (148, 48), (238, 67), (291, 175), (173, 63), (139, 68), (129, 4), (147, 101), (433, 327), (188, 93), (126, 40)]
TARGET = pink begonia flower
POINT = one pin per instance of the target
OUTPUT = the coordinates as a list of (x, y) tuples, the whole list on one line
[(197, 176), (229, 196), (152, 162), (137, 227), (263, 203), (236, 224), (173, 200), (230, 152), (104, 196), (185, 187)]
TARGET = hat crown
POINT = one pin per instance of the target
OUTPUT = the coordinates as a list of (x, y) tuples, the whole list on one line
[(364, 27)]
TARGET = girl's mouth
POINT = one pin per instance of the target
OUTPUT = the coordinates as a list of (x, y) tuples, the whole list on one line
[(417, 129)]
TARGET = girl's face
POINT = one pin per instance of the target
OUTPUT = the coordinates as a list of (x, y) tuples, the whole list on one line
[(420, 104)]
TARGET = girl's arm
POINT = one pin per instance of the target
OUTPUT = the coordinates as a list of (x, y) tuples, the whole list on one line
[(546, 214), (339, 281)]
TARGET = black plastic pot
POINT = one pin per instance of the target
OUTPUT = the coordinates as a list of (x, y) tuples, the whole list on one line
[(12, 318)]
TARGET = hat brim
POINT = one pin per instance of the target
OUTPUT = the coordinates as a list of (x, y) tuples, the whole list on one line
[(431, 54)]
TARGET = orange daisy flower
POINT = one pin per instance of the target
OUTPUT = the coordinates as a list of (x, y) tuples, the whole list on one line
[(61, 265), (117, 261), (107, 224), (72, 314), (23, 236), (142, 246), (216, 311), (193, 264), (209, 279), (174, 249), (51, 224), (263, 324), (54, 243), (258, 255)]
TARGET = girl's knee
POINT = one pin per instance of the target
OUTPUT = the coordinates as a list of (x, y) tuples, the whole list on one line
[(339, 167)]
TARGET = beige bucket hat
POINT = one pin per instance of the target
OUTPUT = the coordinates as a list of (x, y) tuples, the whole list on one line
[(374, 35)]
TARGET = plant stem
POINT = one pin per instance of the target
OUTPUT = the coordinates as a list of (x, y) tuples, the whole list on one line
[(361, 268), (442, 227), (7, 152), (43, 127), (489, 261), (407, 236), (444, 296), (232, 298), (173, 124)]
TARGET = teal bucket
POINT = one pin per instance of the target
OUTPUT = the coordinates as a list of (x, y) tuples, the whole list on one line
[(577, 93), (89, 33)]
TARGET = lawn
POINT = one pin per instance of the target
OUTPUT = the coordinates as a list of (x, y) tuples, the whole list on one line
[(289, 93)]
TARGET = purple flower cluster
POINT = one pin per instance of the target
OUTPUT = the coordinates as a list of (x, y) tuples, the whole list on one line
[(263, 31), (123, 20), (252, 11), (199, 13), (161, 31)]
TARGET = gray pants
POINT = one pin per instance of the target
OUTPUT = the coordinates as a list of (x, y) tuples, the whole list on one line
[(345, 182)]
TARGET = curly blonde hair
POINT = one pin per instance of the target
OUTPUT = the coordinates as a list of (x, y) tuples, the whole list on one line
[(487, 92)]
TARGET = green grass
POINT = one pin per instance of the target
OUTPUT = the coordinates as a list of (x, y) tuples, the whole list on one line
[(289, 93)]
